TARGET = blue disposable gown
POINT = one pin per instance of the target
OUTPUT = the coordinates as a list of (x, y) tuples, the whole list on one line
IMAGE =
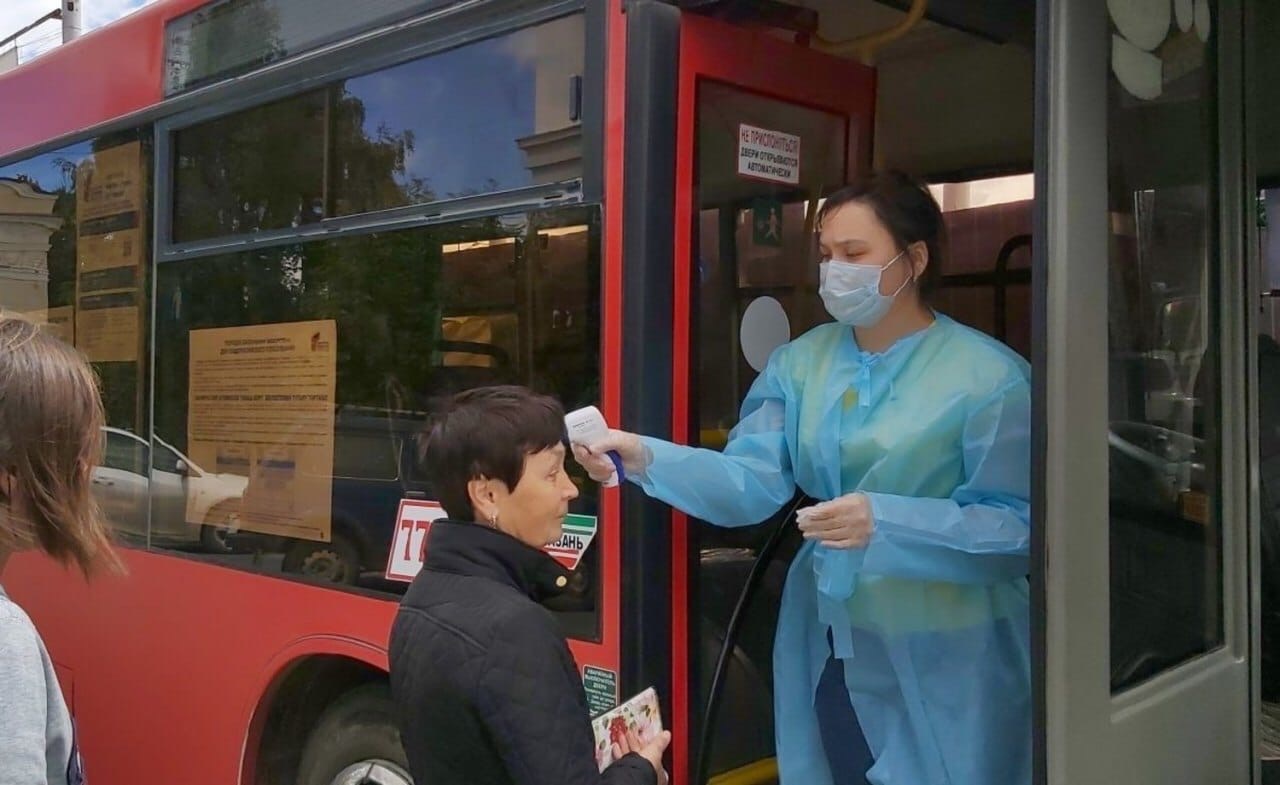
[(931, 618)]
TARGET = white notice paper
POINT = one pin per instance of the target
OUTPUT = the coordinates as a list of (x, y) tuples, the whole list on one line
[(768, 155)]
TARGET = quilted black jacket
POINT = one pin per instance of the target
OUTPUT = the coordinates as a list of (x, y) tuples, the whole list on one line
[(485, 688)]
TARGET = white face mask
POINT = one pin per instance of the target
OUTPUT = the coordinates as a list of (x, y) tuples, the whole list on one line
[(851, 292)]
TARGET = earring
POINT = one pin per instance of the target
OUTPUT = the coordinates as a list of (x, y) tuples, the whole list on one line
[(493, 520)]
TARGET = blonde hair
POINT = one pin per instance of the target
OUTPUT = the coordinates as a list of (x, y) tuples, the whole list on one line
[(51, 422)]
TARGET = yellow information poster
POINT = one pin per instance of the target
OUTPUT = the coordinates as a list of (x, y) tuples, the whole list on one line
[(110, 246), (107, 327), (261, 405), (109, 184)]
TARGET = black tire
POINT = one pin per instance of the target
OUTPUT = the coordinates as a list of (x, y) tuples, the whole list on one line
[(356, 742), (336, 561)]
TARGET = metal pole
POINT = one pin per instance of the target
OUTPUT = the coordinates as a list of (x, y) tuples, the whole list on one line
[(71, 23), (55, 14)]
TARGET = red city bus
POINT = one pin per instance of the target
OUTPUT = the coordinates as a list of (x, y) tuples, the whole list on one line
[(281, 229)]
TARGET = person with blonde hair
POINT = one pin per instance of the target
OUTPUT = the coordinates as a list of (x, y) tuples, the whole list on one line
[(51, 423)]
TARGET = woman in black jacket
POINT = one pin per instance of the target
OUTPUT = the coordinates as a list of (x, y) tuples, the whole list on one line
[(485, 687)]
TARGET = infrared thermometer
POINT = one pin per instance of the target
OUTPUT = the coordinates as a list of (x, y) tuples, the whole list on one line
[(586, 426)]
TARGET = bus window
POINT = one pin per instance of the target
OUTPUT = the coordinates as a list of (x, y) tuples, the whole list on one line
[(490, 116), (1164, 377), (75, 240), (226, 38), (230, 364)]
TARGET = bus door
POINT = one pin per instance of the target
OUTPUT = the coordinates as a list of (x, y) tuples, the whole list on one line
[(765, 128), (1142, 487)]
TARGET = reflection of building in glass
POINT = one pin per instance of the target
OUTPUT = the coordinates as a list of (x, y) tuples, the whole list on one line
[(553, 152), (26, 224), (554, 156)]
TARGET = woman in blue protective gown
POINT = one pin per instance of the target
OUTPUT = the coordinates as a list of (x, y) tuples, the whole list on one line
[(902, 654)]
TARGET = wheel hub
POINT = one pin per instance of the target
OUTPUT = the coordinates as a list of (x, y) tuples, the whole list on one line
[(373, 772), (324, 564)]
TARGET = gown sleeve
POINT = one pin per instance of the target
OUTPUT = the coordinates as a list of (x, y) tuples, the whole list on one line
[(743, 485)]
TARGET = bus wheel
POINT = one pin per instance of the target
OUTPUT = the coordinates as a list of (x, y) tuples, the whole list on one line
[(336, 561), (356, 743)]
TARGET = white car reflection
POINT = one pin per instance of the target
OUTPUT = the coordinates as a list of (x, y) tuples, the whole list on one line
[(189, 505)]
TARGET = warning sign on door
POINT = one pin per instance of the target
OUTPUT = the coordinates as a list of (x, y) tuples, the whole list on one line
[(768, 155), (601, 686)]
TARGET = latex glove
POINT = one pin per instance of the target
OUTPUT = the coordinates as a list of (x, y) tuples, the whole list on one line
[(845, 522), (592, 457)]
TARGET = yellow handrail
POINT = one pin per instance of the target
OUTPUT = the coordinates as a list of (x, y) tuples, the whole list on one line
[(864, 47)]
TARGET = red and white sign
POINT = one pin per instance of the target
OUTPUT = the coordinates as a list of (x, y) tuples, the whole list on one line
[(414, 520), (767, 155), (409, 544), (576, 535)]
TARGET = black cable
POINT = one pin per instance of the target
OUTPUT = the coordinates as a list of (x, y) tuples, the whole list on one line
[(754, 577)]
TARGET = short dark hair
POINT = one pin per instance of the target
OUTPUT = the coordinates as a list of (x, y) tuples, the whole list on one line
[(486, 432), (906, 208)]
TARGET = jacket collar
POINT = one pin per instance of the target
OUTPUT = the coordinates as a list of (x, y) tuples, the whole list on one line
[(475, 549)]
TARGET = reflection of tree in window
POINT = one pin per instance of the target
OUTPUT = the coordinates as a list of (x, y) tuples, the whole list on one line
[(382, 289), (266, 168), (370, 167), (390, 294), (257, 170), (488, 116)]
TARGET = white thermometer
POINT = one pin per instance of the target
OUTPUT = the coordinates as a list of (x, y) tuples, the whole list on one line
[(586, 426)]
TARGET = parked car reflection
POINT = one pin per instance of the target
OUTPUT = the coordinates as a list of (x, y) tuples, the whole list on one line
[(189, 505)]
